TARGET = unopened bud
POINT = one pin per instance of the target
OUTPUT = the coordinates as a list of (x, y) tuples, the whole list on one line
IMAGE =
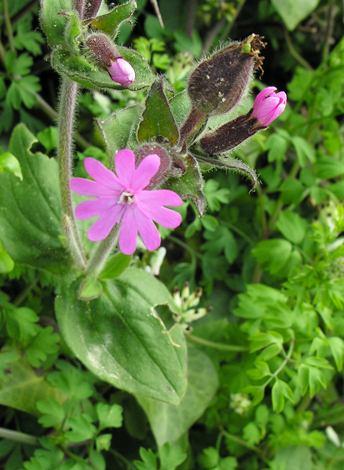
[(269, 105), (105, 53), (122, 72), (91, 9), (87, 9), (218, 83)]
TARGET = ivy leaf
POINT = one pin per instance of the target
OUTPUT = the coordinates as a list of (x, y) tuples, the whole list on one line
[(28, 39), (337, 350), (18, 65), (43, 345), (171, 457), (48, 138), (209, 458), (280, 390), (251, 434), (103, 442), (221, 240), (214, 195), (21, 324), (109, 416), (52, 412), (272, 254), (82, 429), (149, 461), (71, 381)]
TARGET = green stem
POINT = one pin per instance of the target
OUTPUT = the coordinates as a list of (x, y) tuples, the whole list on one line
[(220, 346), (236, 439), (19, 437), (293, 52), (22, 296), (284, 363), (280, 204), (8, 25), (227, 31), (76, 458), (237, 231), (67, 105), (100, 256), (122, 458), (188, 248)]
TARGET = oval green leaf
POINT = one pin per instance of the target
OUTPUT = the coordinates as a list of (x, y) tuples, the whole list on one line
[(121, 340)]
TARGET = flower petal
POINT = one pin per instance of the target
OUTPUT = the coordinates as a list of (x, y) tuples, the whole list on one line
[(125, 167), (268, 91), (90, 188), (161, 197), (167, 218), (101, 174), (128, 232), (93, 207), (145, 171), (102, 227), (148, 231)]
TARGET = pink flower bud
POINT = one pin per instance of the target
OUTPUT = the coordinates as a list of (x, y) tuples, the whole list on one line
[(122, 72), (268, 105)]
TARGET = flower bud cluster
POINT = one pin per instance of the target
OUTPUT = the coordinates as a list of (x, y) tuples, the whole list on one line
[(185, 302)]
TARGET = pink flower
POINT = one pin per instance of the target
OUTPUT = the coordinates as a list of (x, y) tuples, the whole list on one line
[(121, 198), (122, 72), (269, 105)]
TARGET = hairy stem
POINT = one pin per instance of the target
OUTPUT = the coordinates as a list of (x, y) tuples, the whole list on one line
[(101, 254), (65, 124)]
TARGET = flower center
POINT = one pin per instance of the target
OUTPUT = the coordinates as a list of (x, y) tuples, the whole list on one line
[(126, 198)]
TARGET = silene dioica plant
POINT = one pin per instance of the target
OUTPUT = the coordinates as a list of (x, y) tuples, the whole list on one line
[(112, 314)]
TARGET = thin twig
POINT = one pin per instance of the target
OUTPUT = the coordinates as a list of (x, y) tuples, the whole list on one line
[(295, 54), (22, 296), (157, 11), (214, 345), (19, 437), (8, 25)]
